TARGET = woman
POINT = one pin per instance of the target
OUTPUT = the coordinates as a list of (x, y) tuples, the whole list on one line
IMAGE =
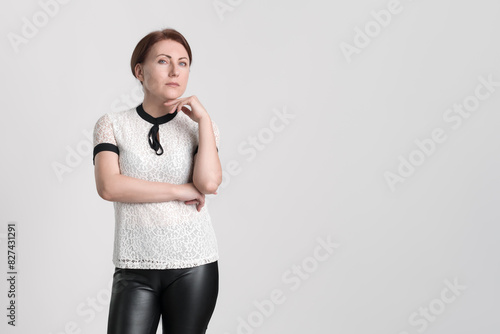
[(157, 162)]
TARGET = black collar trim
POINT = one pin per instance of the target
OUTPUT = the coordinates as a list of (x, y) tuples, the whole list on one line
[(154, 120)]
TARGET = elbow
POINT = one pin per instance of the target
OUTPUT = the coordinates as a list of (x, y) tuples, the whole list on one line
[(106, 196), (208, 185), (105, 193), (211, 188), (208, 188)]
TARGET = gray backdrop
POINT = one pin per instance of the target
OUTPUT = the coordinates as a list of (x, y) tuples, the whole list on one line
[(359, 143)]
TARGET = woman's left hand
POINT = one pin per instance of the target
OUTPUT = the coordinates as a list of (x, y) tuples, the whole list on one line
[(196, 113)]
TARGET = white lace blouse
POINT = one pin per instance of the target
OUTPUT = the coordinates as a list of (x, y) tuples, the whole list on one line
[(157, 235)]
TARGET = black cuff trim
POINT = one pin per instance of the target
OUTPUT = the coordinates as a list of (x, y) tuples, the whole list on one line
[(196, 150), (105, 147)]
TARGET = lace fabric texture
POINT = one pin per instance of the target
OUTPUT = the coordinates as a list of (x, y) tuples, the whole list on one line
[(158, 235)]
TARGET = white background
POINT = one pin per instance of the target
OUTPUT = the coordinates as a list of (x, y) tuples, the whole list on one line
[(320, 173)]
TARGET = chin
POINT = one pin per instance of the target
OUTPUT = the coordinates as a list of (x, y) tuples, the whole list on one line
[(168, 95), (173, 95)]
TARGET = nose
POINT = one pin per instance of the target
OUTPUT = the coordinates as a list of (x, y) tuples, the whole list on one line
[(173, 69)]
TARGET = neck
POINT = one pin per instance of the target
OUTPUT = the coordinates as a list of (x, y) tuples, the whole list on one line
[(155, 107)]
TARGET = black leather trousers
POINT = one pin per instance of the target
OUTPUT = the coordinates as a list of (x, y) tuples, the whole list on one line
[(184, 298)]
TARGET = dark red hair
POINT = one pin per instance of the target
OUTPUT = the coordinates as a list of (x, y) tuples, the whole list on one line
[(146, 43)]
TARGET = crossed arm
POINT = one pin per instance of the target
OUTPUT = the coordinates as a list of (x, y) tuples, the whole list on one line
[(207, 176)]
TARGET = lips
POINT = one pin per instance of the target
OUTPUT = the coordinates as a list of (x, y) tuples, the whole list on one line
[(173, 84)]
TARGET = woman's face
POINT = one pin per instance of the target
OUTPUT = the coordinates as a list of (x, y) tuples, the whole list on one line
[(167, 63)]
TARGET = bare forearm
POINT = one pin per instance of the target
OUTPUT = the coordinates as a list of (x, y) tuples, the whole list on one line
[(207, 172), (122, 188)]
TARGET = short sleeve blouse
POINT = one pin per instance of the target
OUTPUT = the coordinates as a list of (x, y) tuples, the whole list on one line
[(156, 235)]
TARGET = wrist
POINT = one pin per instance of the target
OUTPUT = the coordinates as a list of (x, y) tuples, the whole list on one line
[(174, 191), (204, 119)]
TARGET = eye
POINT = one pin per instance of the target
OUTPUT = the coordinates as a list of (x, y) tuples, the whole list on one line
[(162, 60)]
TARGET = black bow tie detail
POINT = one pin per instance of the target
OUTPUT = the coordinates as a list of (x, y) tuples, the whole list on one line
[(153, 139), (156, 121)]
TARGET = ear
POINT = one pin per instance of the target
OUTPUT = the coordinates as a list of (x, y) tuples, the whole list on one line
[(139, 74)]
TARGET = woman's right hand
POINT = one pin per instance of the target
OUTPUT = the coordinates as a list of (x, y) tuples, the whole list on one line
[(190, 195)]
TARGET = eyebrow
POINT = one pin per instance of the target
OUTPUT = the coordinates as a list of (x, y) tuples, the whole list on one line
[(162, 54)]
